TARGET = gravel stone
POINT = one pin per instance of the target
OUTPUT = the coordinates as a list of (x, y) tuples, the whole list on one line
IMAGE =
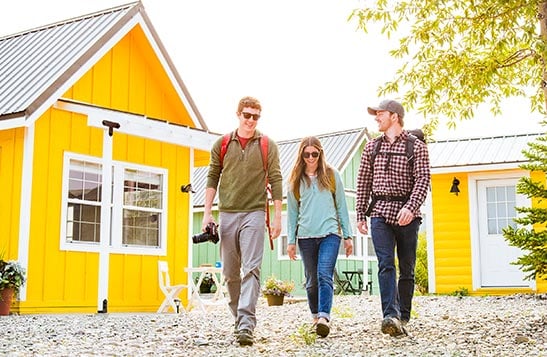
[(514, 325)]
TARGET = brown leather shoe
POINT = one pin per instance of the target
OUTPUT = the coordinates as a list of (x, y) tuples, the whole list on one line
[(392, 326), (322, 328)]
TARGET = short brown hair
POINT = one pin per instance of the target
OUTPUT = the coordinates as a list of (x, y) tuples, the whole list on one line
[(248, 102)]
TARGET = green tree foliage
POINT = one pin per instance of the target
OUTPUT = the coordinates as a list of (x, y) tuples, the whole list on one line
[(531, 234), (420, 273), (458, 54)]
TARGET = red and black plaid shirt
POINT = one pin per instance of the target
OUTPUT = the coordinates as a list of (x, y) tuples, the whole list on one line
[(393, 177)]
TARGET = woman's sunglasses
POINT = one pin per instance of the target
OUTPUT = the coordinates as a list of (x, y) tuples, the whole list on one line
[(306, 155), (249, 116)]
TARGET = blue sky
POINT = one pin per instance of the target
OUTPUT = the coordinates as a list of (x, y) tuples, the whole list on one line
[(312, 70)]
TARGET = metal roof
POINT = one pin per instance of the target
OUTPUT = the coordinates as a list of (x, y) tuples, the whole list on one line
[(339, 147), (480, 151), (35, 64)]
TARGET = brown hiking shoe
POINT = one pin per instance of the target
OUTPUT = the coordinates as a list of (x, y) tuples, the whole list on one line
[(322, 327), (392, 326), (245, 337)]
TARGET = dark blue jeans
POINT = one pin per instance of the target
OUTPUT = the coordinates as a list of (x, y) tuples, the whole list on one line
[(396, 297), (319, 256)]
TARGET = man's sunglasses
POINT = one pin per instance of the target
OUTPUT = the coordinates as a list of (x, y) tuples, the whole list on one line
[(249, 116), (306, 155)]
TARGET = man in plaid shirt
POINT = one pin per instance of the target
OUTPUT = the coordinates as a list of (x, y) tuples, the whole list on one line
[(391, 193)]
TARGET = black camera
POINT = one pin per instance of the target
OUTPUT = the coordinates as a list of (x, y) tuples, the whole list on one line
[(210, 235)]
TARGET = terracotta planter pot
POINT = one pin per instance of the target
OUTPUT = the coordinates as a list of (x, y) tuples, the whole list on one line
[(275, 300), (6, 297)]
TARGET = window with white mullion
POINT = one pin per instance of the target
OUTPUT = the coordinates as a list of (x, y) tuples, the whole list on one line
[(138, 206), (83, 203), (142, 208)]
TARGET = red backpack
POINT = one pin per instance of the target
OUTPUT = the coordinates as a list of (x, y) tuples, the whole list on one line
[(264, 148)]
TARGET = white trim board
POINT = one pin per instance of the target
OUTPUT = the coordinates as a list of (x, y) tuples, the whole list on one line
[(141, 126)]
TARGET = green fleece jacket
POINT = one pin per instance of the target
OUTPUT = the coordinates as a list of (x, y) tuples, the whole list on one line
[(241, 182)]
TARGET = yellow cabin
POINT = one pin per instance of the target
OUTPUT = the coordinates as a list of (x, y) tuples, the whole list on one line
[(97, 135), (473, 197)]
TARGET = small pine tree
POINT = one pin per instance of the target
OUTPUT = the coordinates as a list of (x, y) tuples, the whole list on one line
[(531, 235)]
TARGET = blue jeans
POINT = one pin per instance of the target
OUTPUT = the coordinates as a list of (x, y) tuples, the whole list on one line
[(396, 297), (319, 256)]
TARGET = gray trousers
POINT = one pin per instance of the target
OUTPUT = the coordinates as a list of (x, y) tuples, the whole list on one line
[(241, 251)]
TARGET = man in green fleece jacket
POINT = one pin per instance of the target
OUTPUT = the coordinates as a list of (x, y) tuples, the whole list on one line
[(241, 183)]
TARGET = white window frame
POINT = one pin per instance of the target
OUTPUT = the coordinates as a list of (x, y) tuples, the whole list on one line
[(115, 241), (282, 248)]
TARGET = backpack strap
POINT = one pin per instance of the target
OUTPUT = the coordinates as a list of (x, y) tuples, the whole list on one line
[(409, 148), (264, 149), (226, 138), (409, 151), (223, 147), (375, 151)]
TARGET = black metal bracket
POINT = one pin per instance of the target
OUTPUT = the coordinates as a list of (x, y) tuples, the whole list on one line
[(111, 126)]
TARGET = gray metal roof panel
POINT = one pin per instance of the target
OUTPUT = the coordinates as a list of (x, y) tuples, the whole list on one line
[(480, 151), (31, 61)]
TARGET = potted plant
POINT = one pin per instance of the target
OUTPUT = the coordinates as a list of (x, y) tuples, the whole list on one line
[(12, 277), (206, 284), (275, 290)]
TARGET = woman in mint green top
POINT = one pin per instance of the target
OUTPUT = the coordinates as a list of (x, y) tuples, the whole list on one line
[(318, 219)]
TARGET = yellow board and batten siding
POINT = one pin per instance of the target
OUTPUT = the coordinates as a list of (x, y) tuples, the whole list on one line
[(541, 284), (128, 78), (11, 166), (452, 237)]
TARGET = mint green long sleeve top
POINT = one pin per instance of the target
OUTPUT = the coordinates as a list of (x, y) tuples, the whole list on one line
[(317, 215)]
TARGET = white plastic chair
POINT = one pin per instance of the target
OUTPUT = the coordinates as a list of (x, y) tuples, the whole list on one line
[(171, 292)]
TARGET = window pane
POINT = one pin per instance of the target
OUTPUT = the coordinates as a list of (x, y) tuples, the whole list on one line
[(141, 228), (511, 211), (83, 223), (85, 181), (492, 226), (142, 189), (502, 209), (503, 223), (490, 194), (500, 193), (142, 200), (511, 193), (491, 210)]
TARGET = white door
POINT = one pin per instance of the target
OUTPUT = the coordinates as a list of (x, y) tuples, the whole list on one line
[(497, 200)]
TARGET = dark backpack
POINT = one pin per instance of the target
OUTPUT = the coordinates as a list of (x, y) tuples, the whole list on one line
[(412, 136)]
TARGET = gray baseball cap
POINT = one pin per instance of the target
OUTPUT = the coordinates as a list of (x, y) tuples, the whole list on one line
[(390, 105)]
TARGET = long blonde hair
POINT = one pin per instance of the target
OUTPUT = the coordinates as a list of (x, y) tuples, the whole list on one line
[(298, 171)]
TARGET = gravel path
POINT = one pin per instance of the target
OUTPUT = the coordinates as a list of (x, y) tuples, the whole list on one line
[(440, 326)]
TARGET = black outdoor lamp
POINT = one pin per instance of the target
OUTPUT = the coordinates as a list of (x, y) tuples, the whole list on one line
[(455, 189), (187, 188)]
